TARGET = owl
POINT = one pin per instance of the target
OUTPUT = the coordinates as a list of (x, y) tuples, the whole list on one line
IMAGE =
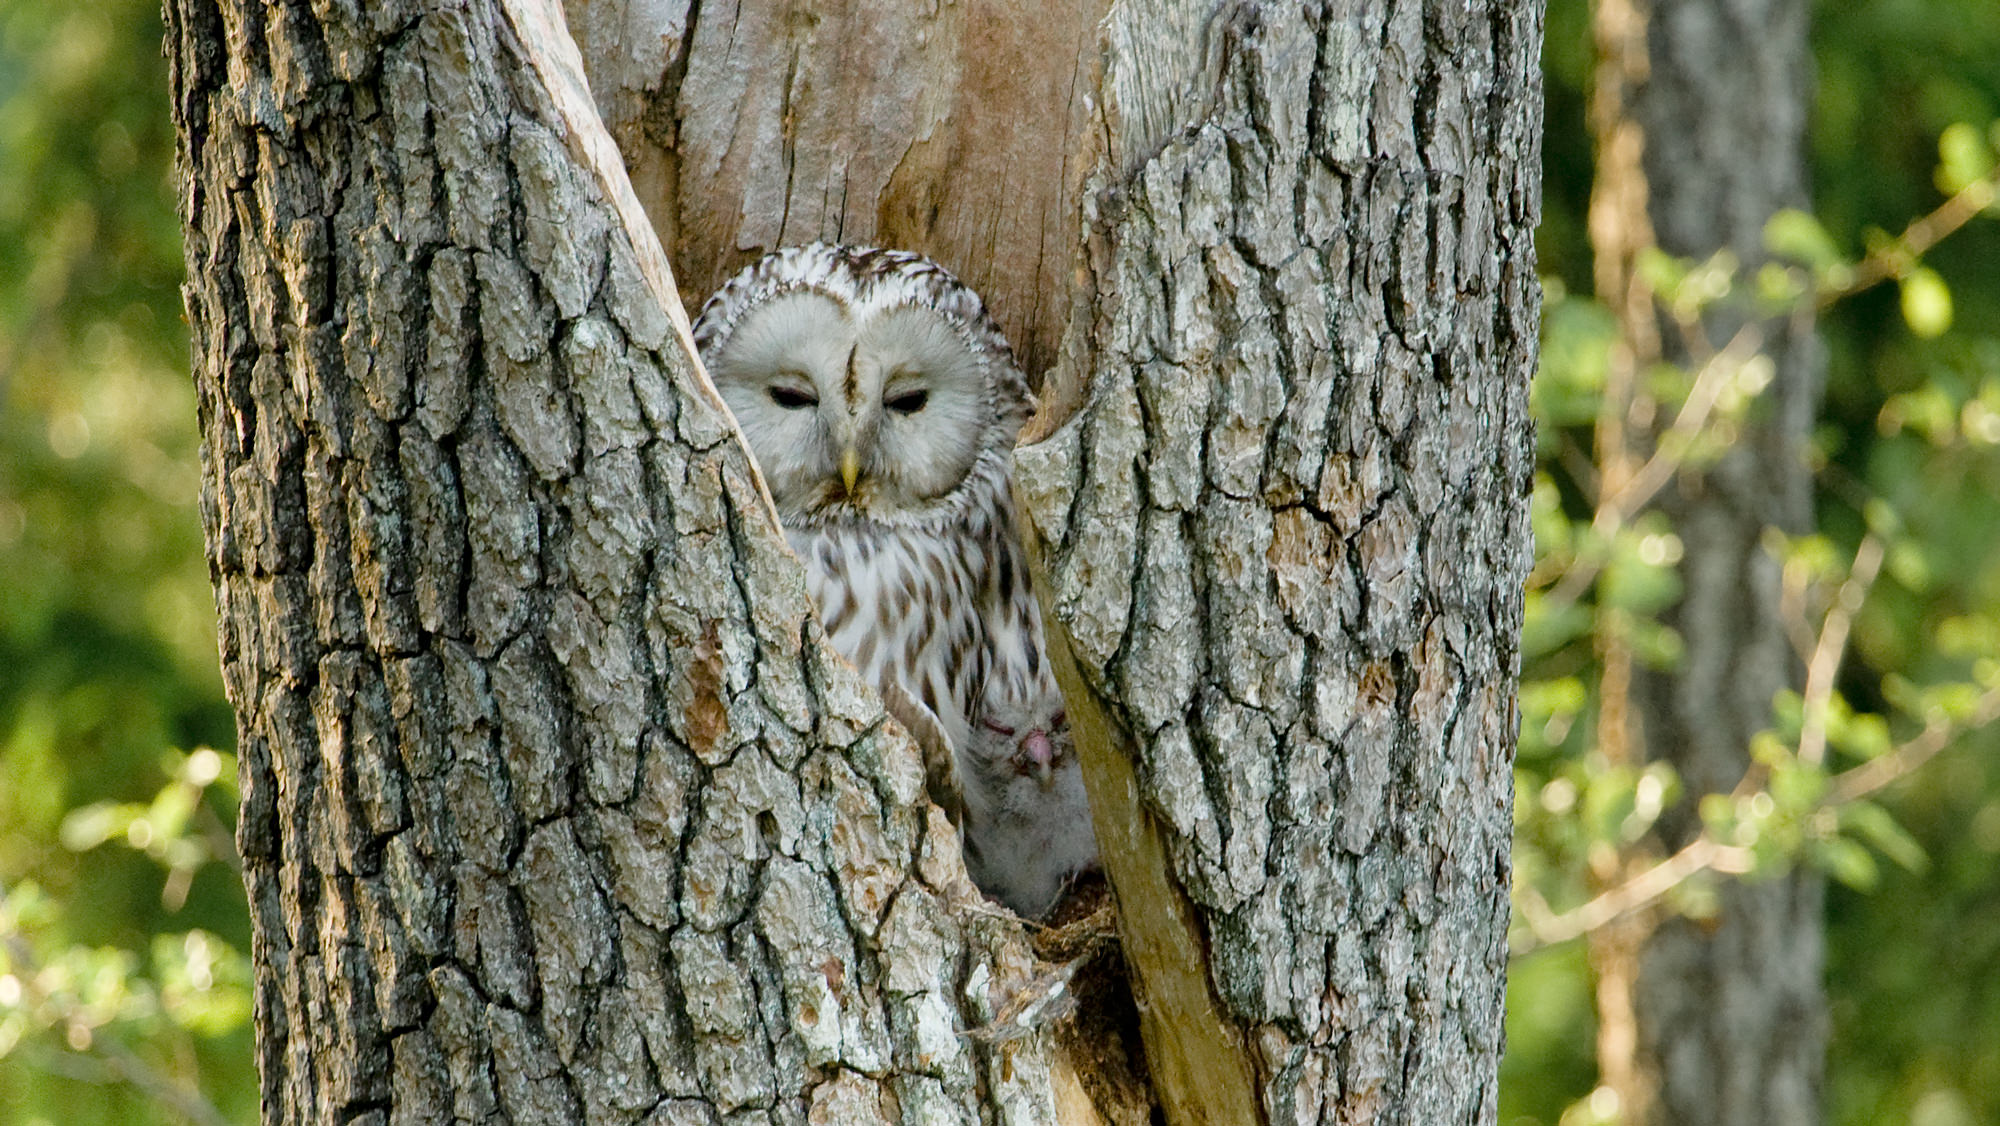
[(1034, 833), (882, 404)]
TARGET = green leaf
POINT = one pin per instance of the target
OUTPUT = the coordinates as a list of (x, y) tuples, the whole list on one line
[(1780, 289), (1878, 827), (1796, 787), (1718, 815), (1799, 236), (1658, 645), (1661, 271), (94, 824), (1864, 736), (204, 982), (1562, 696), (1849, 863), (1928, 411), (1963, 157), (1544, 631), (1926, 303)]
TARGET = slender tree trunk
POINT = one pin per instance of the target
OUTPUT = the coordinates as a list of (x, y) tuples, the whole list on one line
[(1704, 140), (557, 808)]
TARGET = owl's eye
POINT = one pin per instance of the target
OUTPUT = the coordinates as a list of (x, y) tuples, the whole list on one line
[(791, 398), (908, 402)]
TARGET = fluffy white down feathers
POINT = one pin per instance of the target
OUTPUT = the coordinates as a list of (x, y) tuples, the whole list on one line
[(882, 404)]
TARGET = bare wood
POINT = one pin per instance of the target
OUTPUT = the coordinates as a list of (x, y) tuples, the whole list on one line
[(1202, 1070), (953, 129)]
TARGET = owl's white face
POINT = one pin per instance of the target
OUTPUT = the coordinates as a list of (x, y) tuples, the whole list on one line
[(857, 397)]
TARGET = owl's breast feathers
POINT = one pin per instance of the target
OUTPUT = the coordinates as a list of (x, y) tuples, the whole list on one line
[(935, 606)]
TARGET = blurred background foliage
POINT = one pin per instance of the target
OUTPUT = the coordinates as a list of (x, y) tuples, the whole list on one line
[(1908, 468), (123, 991), (122, 925)]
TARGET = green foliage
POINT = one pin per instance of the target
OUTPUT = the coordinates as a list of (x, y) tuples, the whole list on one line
[(123, 986), (1926, 302), (1908, 95)]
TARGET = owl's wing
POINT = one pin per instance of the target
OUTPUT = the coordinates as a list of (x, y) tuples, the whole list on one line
[(940, 767)]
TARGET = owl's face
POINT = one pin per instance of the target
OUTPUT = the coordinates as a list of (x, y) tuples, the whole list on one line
[(856, 391), (1023, 737)]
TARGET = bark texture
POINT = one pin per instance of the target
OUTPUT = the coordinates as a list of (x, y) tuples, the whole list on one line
[(1287, 528), (556, 807), (1731, 1011)]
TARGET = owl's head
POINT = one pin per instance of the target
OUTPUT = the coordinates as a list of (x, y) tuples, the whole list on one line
[(867, 382)]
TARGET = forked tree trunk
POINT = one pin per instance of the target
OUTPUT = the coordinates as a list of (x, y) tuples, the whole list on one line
[(1727, 1014), (557, 808)]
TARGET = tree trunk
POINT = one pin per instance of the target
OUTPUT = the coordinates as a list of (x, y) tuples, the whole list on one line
[(1729, 1012), (1287, 533), (557, 808)]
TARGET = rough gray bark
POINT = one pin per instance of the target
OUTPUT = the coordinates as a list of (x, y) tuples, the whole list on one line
[(1287, 531), (556, 809), (1731, 1010)]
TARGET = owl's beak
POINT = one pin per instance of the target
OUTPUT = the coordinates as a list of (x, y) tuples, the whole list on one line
[(850, 467), (1041, 756)]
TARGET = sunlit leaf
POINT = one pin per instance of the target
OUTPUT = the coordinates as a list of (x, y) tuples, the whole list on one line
[(1879, 828), (1926, 302), (1909, 564), (1662, 272), (1864, 736), (1799, 236), (1963, 157), (204, 983), (1847, 862), (1548, 631), (1658, 645)]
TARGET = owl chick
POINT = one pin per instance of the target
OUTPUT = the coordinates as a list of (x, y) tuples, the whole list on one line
[(882, 404), (1028, 830)]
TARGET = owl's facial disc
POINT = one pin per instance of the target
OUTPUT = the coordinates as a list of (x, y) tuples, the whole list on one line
[(866, 402), (918, 392), (780, 372)]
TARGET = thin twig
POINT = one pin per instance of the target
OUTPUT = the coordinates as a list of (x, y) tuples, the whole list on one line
[(1858, 782), (1714, 374), (1897, 259), (1619, 505), (1832, 647), (1705, 854)]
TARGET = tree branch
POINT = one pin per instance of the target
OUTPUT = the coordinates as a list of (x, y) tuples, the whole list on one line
[(1896, 260), (1706, 854), (1832, 647)]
